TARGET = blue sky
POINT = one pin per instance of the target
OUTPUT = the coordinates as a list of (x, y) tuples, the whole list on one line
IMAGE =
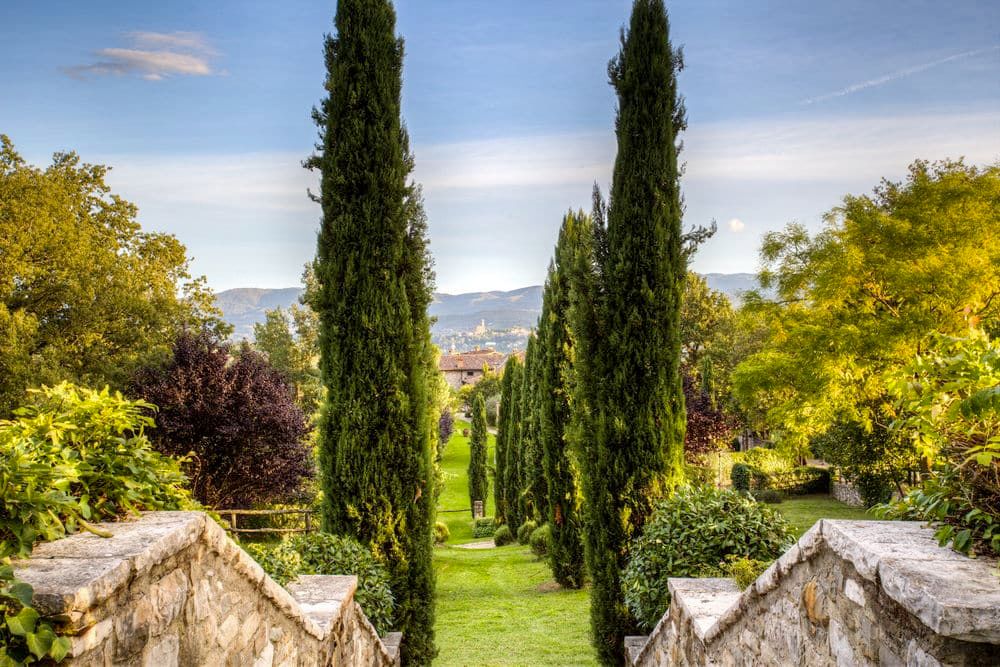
[(202, 108)]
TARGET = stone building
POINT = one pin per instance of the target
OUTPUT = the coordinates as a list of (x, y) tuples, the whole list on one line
[(460, 369)]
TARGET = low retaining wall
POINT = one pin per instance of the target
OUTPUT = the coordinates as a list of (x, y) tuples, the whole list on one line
[(171, 589), (846, 493), (848, 593)]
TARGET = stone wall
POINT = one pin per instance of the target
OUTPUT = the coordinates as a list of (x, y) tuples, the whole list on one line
[(849, 593), (846, 493), (171, 589)]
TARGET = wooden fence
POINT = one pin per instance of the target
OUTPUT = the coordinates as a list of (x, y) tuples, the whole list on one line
[(231, 515)]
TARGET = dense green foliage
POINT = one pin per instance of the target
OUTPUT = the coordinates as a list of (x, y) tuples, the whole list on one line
[(949, 403), (504, 429), (562, 511), (627, 298), (74, 456), (441, 533), (374, 285), (322, 553), (853, 303), (479, 483), (70, 457), (85, 294), (692, 534)]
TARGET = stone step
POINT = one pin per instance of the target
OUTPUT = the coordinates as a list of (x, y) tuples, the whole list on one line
[(704, 600), (392, 642), (634, 646)]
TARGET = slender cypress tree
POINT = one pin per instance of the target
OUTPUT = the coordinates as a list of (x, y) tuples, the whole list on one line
[(526, 434), (535, 485), (500, 450), (555, 386), (636, 420), (512, 453), (478, 482), (374, 285)]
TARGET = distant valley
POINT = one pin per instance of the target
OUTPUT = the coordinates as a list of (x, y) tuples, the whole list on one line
[(463, 321)]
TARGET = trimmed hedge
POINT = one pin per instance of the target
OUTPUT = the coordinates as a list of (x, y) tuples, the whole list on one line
[(483, 527), (541, 540), (503, 536), (525, 531), (797, 481), (441, 533)]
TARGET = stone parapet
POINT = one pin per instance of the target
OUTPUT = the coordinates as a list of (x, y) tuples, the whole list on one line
[(172, 588), (848, 593)]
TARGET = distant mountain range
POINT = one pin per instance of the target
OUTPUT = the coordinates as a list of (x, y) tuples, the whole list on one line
[(457, 315)]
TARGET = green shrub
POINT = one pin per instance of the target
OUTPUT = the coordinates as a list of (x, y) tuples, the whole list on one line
[(77, 455), (744, 570), (441, 533), (483, 527), (689, 535), (541, 540), (72, 456), (502, 537), (282, 564), (740, 474), (323, 553), (525, 531)]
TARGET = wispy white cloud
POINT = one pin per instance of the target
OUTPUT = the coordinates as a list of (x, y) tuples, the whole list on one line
[(899, 74), (736, 225), (153, 56)]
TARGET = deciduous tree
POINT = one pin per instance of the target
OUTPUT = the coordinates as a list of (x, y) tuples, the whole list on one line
[(85, 294)]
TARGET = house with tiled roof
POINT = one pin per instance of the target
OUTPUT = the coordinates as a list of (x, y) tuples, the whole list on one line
[(460, 369)]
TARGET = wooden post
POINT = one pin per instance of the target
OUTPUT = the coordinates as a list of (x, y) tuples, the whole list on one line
[(308, 521)]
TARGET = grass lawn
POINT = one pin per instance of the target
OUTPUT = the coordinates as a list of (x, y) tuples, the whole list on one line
[(501, 607), (455, 494), (803, 511)]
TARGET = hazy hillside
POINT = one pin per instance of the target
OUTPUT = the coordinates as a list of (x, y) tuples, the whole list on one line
[(457, 314)]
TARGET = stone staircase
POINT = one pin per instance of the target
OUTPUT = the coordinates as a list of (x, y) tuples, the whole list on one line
[(854, 593), (172, 589)]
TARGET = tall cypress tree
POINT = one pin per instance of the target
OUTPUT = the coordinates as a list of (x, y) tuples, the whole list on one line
[(500, 450), (636, 420), (478, 482), (535, 485), (374, 279), (526, 435), (554, 391), (512, 482)]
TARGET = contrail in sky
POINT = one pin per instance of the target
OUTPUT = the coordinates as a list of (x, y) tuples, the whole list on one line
[(882, 80)]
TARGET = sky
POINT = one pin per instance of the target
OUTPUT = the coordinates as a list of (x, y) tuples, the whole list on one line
[(203, 111)]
